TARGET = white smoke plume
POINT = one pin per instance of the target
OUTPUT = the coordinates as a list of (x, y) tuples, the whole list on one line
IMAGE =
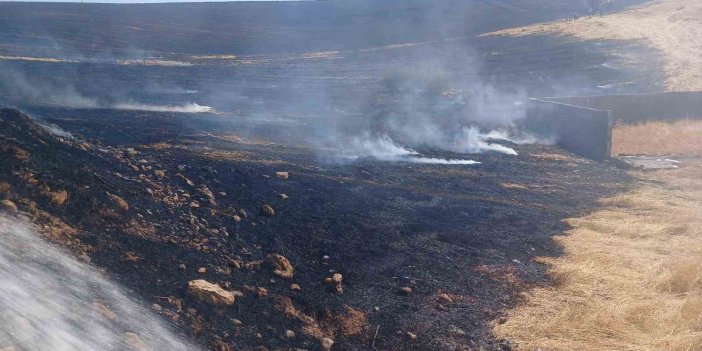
[(50, 301), (186, 108)]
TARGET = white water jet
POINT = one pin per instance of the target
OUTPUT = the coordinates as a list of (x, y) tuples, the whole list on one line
[(50, 301)]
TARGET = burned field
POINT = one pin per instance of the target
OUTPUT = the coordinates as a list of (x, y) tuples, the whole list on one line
[(153, 209), (206, 143)]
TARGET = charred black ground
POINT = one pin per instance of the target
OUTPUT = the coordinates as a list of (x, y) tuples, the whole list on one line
[(151, 197), (468, 231)]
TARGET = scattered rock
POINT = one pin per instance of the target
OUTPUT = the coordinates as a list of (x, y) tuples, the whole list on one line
[(289, 334), (159, 173), (412, 336), (267, 211), (58, 197), (327, 343), (405, 290), (135, 342), (8, 206), (295, 287), (185, 180), (120, 202), (104, 311), (281, 266), (337, 278), (210, 293), (202, 270), (242, 213), (283, 196), (282, 175), (236, 322), (236, 218), (261, 292), (444, 298)]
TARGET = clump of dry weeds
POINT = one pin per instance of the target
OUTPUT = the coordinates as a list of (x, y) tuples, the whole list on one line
[(631, 276)]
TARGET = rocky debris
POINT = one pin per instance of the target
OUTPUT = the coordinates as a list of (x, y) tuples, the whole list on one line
[(58, 197), (159, 173), (8, 206), (135, 342), (405, 290), (267, 211), (242, 213), (185, 180), (289, 334), (261, 292), (327, 343), (210, 293), (120, 202), (207, 194), (202, 270), (281, 266), (336, 281), (104, 311), (444, 298), (412, 336), (283, 196), (295, 287), (282, 175)]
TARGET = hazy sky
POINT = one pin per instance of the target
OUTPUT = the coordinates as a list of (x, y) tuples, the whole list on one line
[(139, 1)]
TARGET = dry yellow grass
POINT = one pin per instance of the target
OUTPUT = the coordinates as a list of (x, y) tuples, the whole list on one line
[(658, 138), (672, 26), (630, 278)]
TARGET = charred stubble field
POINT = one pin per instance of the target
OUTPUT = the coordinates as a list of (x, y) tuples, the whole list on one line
[(461, 237)]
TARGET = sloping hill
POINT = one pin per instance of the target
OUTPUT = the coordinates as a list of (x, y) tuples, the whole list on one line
[(674, 27)]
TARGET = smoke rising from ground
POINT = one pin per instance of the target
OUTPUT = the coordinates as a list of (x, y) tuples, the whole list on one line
[(48, 299), (186, 108)]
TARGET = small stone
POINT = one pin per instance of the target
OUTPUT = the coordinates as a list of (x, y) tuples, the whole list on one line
[(337, 278), (328, 281), (327, 343), (135, 342), (289, 334), (242, 213), (181, 266), (339, 289), (236, 322), (376, 309), (261, 292), (234, 264), (405, 290), (281, 266), (194, 204), (295, 287), (210, 293), (267, 210), (120, 202), (282, 175), (236, 218), (202, 270), (8, 206), (444, 298), (159, 173), (412, 336), (283, 196)]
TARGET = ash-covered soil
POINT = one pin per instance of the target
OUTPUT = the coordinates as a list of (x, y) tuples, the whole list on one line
[(430, 255)]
